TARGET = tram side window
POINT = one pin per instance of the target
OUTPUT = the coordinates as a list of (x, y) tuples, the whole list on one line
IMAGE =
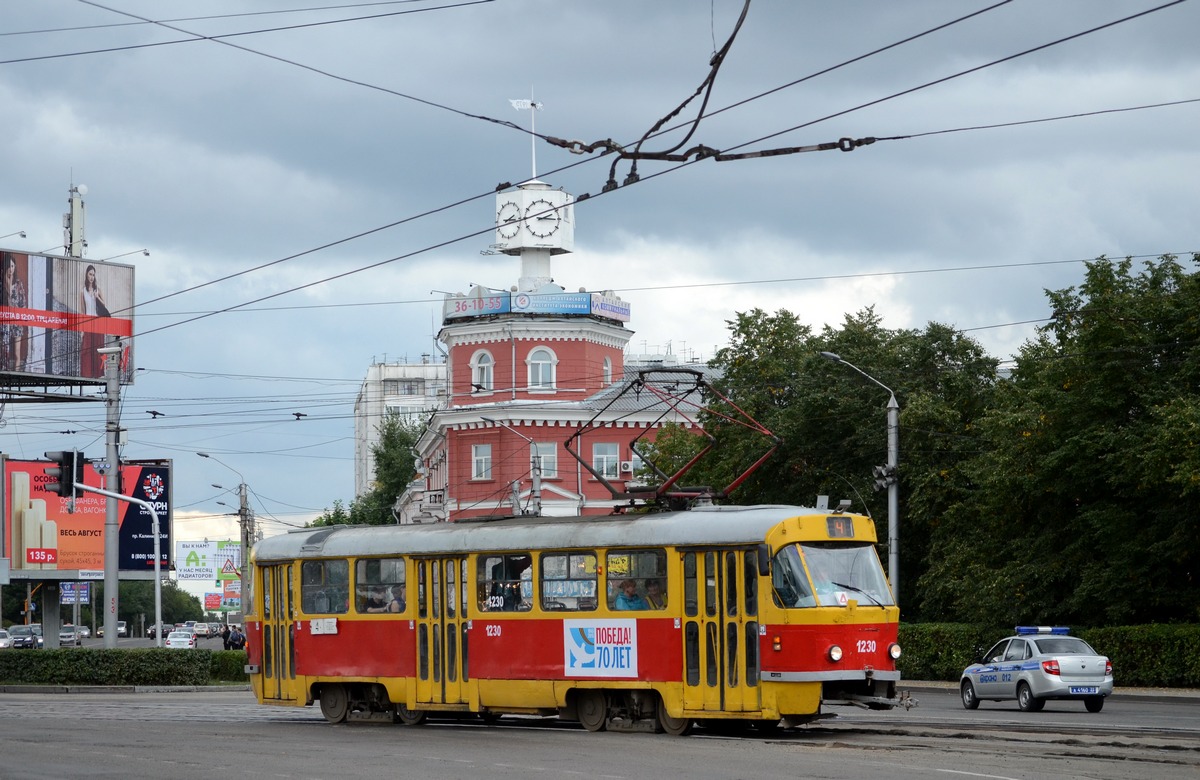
[(379, 585), (325, 587), (569, 581), (505, 582), (646, 570)]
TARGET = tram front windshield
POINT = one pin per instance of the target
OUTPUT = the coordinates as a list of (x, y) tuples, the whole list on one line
[(829, 575)]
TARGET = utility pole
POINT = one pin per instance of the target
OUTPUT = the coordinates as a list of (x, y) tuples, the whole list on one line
[(890, 476), (535, 492), (112, 483)]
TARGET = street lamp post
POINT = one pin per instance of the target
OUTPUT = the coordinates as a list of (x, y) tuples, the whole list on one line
[(891, 473), (246, 526), (535, 493)]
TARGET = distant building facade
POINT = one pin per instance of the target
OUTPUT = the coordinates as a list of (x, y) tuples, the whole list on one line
[(412, 390)]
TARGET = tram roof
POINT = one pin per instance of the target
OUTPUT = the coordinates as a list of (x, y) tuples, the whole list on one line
[(700, 526)]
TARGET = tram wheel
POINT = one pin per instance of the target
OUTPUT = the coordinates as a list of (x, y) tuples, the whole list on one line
[(409, 717), (335, 704), (676, 727), (593, 710)]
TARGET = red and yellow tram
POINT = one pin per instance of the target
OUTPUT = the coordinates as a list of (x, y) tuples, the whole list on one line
[(652, 622)]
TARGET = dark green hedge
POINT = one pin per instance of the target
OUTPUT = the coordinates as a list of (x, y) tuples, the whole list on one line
[(148, 666), (1156, 656)]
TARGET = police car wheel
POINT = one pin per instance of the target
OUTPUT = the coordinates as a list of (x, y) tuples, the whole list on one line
[(1026, 701), (969, 699)]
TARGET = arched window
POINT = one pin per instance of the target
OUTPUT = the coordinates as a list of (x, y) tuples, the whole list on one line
[(541, 369), (482, 372), (607, 372)]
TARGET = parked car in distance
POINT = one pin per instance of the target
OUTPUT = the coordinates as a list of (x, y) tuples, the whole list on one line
[(26, 636), (200, 630), (180, 640), (69, 635), (5, 639), (1038, 664)]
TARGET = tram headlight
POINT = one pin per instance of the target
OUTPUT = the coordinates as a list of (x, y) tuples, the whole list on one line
[(894, 651), (835, 653)]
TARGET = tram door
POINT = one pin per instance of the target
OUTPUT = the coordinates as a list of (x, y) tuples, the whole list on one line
[(721, 631), (278, 651), (442, 631)]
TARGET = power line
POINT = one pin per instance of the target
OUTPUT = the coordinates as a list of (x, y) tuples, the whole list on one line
[(210, 17)]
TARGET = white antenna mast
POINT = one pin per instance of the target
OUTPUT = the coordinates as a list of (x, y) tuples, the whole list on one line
[(533, 107)]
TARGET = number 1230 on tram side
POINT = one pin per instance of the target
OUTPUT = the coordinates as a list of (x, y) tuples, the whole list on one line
[(742, 615)]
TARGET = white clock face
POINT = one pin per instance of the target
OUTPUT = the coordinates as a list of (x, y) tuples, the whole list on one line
[(508, 219), (542, 218)]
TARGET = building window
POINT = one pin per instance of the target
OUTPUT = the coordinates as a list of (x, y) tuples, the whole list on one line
[(482, 372), (541, 369), (607, 372), (604, 460), (481, 459), (544, 454)]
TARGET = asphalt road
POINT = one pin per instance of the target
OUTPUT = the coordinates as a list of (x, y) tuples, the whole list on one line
[(204, 734)]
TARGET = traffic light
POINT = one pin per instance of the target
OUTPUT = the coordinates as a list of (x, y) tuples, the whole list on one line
[(66, 471), (885, 476)]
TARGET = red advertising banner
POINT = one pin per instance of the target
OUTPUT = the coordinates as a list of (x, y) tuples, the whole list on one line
[(42, 536), (55, 312)]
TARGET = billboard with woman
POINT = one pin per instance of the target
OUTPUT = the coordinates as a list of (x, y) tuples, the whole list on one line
[(55, 312)]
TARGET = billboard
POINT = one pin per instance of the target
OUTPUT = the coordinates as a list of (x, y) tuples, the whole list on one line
[(205, 560), (55, 312), (604, 305), (45, 541)]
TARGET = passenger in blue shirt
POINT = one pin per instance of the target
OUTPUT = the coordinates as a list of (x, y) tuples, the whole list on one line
[(628, 598)]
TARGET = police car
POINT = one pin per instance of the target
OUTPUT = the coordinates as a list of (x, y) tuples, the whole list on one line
[(1038, 664)]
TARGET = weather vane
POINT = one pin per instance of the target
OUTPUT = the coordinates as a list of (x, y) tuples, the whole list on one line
[(532, 107)]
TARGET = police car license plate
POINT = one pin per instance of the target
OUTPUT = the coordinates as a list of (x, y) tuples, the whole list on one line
[(1084, 689)]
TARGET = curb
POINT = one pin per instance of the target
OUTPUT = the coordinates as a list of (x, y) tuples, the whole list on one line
[(1158, 694)]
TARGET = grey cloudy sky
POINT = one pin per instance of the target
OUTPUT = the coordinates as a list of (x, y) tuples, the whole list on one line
[(218, 160)]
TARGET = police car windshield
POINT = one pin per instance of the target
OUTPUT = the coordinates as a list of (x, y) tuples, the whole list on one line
[(829, 574)]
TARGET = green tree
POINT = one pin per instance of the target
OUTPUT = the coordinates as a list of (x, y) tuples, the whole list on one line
[(832, 422), (394, 470), (1084, 494)]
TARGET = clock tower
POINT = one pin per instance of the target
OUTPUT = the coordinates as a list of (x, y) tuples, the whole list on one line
[(535, 222)]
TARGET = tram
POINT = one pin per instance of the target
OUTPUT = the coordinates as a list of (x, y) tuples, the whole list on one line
[(724, 615)]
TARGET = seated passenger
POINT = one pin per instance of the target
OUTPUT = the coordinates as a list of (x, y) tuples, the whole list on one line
[(655, 598), (397, 602), (628, 598), (376, 601)]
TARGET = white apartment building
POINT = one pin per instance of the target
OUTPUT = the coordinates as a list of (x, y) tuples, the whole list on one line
[(412, 390)]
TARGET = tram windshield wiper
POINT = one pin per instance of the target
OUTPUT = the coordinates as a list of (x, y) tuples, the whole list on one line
[(878, 603)]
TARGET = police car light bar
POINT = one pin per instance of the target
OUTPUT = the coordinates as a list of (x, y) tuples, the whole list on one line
[(1059, 630)]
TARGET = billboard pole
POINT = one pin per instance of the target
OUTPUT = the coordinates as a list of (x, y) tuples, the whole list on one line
[(154, 529), (112, 540)]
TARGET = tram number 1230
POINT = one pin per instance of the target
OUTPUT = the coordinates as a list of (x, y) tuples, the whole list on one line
[(491, 629)]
